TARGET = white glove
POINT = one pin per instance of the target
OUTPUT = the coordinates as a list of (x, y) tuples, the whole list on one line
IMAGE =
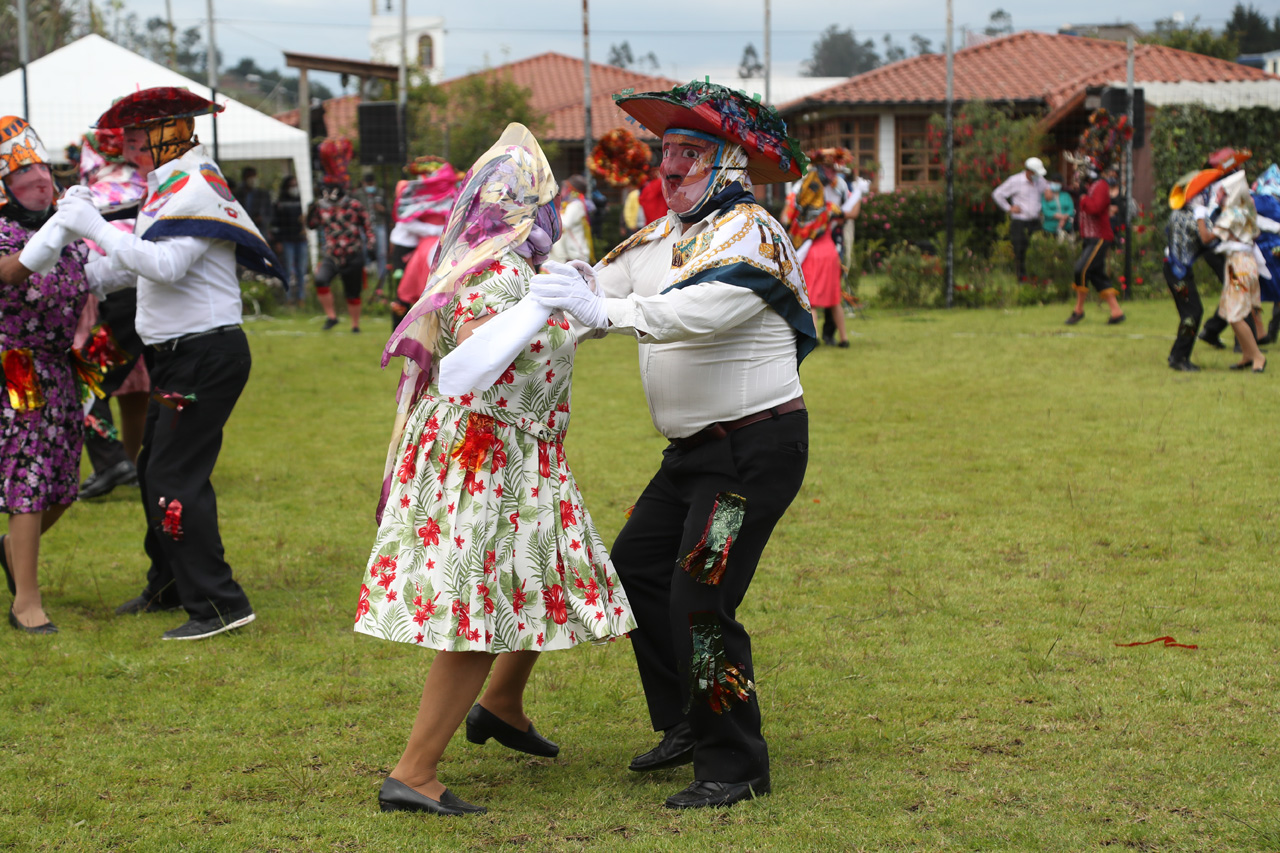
[(567, 287), (78, 191), (43, 250), (478, 361), (78, 215)]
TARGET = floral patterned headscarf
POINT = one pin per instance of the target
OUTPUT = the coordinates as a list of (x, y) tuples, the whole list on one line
[(505, 203)]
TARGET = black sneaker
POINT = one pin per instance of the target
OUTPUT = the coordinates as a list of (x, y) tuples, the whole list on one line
[(330, 322), (1184, 366), (1075, 317), (1115, 321), (199, 629), (100, 483), (146, 604)]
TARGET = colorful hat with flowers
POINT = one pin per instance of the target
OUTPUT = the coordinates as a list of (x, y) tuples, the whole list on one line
[(160, 103), (772, 156), (619, 159)]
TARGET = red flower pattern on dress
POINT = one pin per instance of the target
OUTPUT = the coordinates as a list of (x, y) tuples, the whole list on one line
[(404, 501), (391, 595), (496, 267), (430, 533), (408, 465), (536, 346), (544, 462), (464, 618), (362, 606), (459, 541), (554, 602), (568, 515), (518, 599), (508, 376), (385, 579), (472, 485)]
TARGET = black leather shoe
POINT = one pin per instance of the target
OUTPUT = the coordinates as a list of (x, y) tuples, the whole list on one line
[(1115, 321), (100, 483), (1212, 340), (396, 796), (675, 749), (1076, 317), (145, 604), (482, 725), (1184, 366), (4, 564), (701, 795), (46, 628)]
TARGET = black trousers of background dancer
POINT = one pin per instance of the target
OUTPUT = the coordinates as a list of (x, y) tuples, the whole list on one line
[(116, 312), (764, 463), (179, 451), (1091, 266), (1190, 311)]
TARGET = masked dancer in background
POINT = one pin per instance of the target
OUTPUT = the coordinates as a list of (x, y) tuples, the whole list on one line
[(422, 208), (484, 549), (346, 234), (714, 294), (116, 185), (1236, 227), (41, 411), (812, 219)]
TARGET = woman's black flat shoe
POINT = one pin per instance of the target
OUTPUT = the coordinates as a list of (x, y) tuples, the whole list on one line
[(396, 796), (1243, 365), (4, 564), (482, 725), (46, 628), (1261, 369)]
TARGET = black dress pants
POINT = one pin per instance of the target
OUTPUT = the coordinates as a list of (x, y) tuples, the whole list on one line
[(1187, 300), (116, 312), (179, 451), (1091, 266), (1020, 236), (680, 616)]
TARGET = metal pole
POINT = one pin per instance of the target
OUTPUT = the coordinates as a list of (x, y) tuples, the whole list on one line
[(211, 65), (24, 55), (768, 76), (1128, 174), (173, 47), (402, 83), (586, 93), (950, 217)]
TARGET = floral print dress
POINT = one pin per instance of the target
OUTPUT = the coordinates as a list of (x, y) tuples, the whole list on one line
[(41, 418), (485, 544)]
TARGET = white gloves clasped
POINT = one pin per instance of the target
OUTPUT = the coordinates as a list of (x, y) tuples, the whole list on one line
[(77, 214), (568, 288)]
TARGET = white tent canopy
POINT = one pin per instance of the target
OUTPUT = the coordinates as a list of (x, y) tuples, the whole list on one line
[(68, 89)]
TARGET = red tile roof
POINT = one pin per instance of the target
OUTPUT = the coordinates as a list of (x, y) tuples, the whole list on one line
[(1025, 66), (555, 81)]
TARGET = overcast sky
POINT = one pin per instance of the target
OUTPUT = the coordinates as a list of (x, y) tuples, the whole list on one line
[(687, 36)]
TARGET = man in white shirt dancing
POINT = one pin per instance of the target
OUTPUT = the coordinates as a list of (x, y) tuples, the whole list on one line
[(182, 257), (714, 295)]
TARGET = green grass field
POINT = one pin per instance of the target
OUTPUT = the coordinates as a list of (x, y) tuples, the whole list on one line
[(993, 503)]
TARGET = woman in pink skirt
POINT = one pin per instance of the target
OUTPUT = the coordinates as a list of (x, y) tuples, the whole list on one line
[(811, 218)]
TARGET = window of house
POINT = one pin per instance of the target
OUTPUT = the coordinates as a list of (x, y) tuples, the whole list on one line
[(917, 164), (426, 52), (857, 133)]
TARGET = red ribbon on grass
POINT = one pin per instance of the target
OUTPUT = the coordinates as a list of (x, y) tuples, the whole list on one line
[(1169, 642)]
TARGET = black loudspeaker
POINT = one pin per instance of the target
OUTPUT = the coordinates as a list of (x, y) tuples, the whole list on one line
[(1114, 102), (316, 124), (379, 133)]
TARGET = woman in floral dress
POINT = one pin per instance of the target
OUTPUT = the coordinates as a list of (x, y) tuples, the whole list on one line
[(484, 548), (41, 416)]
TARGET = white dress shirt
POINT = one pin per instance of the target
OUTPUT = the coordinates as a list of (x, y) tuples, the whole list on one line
[(185, 284), (709, 352), (1022, 192)]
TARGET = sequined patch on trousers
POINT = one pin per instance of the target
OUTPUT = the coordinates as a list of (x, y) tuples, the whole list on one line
[(712, 679), (706, 562)]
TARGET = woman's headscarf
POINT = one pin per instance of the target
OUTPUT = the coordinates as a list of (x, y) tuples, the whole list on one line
[(810, 216), (1239, 217), (505, 203)]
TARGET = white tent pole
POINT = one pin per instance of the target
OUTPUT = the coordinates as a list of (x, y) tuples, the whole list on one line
[(24, 55), (211, 64)]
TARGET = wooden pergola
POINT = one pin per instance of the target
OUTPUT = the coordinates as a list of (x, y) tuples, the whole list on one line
[(357, 68)]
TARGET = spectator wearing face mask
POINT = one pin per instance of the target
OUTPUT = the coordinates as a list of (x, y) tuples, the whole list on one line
[(255, 201), (1057, 209), (286, 223), (376, 203)]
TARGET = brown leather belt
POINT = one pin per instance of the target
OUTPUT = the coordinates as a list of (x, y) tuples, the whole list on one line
[(719, 430)]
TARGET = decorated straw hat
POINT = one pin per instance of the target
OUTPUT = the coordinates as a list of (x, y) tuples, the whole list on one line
[(772, 156), (1228, 159), (1191, 185), (160, 103)]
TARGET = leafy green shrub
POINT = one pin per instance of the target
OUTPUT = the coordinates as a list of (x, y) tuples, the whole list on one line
[(912, 279), (1052, 264), (911, 216)]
